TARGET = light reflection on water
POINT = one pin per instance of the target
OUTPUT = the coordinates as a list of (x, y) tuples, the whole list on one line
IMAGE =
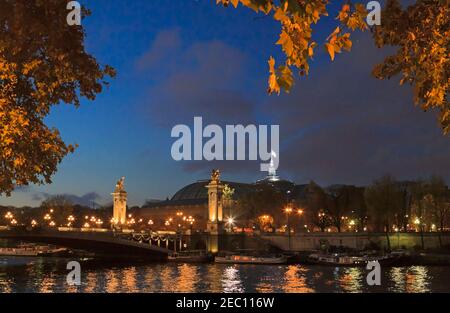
[(49, 275)]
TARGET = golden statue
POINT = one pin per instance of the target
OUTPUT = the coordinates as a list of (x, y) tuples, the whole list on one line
[(215, 176), (120, 185)]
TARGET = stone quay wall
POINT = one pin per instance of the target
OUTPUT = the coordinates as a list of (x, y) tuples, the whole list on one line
[(314, 241)]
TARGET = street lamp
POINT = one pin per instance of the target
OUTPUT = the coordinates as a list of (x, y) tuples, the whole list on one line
[(70, 220), (418, 223), (191, 221), (288, 212), (230, 223)]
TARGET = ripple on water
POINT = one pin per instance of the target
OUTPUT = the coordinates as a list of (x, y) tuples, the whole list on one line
[(49, 275)]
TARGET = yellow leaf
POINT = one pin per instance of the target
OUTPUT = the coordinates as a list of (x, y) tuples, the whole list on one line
[(334, 33), (330, 50)]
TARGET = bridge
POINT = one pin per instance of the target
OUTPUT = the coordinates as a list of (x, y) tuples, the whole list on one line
[(149, 245)]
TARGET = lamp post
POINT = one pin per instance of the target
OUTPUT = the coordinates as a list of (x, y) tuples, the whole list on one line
[(9, 217), (288, 212), (300, 213), (397, 230), (419, 223), (191, 221), (230, 223), (70, 220)]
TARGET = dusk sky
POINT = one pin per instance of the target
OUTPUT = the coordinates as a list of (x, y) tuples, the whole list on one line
[(185, 58)]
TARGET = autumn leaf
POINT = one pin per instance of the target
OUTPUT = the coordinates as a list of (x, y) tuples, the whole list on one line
[(330, 50)]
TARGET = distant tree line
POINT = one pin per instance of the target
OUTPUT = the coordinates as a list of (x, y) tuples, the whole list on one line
[(387, 205)]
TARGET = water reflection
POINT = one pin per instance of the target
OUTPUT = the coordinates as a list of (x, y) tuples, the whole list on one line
[(295, 280), (112, 282), (91, 282), (214, 279), (187, 278), (231, 281), (417, 279), (129, 279), (167, 276), (352, 279), (49, 275)]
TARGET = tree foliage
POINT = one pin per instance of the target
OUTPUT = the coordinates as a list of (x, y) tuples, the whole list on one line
[(264, 200), (384, 201), (43, 62), (421, 33), (62, 207)]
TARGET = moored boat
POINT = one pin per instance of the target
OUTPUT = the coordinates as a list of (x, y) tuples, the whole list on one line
[(33, 251), (347, 260), (18, 252), (190, 257), (249, 259)]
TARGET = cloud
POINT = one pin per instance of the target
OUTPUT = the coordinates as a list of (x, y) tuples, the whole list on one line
[(165, 45), (342, 125), (199, 79), (89, 199)]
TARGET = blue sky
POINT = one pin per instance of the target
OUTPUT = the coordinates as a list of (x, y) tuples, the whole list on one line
[(184, 58)]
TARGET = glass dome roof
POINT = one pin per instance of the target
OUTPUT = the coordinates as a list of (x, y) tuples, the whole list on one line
[(199, 191)]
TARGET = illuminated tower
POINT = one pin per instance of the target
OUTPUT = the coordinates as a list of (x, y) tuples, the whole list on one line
[(119, 203), (215, 201), (215, 211)]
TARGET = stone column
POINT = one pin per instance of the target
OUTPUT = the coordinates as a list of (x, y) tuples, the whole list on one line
[(215, 211), (120, 203)]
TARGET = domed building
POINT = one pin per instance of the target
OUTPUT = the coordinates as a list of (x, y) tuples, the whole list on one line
[(191, 200)]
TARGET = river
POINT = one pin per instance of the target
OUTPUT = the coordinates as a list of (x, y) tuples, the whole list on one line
[(19, 274)]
